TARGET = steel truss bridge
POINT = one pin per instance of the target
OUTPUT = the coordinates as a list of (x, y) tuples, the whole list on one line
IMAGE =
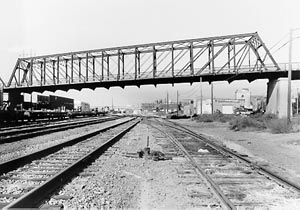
[(221, 58)]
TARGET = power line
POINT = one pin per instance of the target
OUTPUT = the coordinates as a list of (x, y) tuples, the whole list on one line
[(279, 41)]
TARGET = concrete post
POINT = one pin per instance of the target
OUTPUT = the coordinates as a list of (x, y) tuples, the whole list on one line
[(276, 97)]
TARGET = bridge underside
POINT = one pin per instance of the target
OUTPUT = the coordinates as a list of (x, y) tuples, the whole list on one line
[(189, 79)]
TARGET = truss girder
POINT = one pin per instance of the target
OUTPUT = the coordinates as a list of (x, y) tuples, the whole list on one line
[(240, 54)]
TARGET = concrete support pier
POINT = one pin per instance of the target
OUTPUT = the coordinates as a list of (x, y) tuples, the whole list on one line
[(277, 97)]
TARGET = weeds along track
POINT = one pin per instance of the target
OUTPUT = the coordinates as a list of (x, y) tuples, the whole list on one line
[(12, 135), (235, 181), (29, 180)]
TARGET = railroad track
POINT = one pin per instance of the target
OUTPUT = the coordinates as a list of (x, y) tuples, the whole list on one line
[(26, 182), (30, 132), (42, 123), (235, 181)]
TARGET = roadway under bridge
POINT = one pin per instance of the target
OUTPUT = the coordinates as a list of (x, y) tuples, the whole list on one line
[(221, 58)]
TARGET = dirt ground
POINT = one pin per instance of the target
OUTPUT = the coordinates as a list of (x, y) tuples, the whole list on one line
[(278, 152)]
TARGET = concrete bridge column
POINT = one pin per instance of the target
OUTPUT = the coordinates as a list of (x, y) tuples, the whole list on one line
[(277, 97)]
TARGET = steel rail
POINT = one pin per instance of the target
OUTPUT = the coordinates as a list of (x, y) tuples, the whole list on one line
[(44, 122), (35, 197), (46, 130), (20, 161), (36, 127), (215, 188), (223, 150)]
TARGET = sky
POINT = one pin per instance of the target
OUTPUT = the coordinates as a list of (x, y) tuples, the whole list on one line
[(38, 27)]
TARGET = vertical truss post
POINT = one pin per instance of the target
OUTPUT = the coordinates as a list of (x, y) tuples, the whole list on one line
[(79, 69), (191, 59), (209, 55), (102, 66), (57, 69), (249, 58), (44, 71), (123, 65), (107, 61), (234, 56), (19, 75), (87, 67), (212, 56), (119, 64), (154, 62), (137, 63), (172, 61), (53, 71), (66, 66), (72, 68), (94, 70), (228, 57), (31, 72)]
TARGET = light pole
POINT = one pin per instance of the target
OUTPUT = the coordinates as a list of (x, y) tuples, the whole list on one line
[(201, 95)]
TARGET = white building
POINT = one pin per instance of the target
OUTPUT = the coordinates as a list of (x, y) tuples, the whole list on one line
[(244, 96)]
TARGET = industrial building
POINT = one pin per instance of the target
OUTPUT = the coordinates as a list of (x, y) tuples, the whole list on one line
[(243, 100)]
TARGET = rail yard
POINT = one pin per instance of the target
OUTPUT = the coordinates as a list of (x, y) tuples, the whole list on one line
[(144, 105), (131, 162)]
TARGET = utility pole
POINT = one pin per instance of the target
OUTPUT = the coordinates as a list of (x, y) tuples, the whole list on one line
[(167, 103), (200, 95), (289, 99), (177, 104), (212, 97), (289, 79)]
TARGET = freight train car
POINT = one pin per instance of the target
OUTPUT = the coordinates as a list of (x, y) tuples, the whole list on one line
[(60, 103), (82, 106), (38, 107)]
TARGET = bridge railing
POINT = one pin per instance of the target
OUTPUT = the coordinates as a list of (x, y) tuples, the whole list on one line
[(165, 74), (285, 66)]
